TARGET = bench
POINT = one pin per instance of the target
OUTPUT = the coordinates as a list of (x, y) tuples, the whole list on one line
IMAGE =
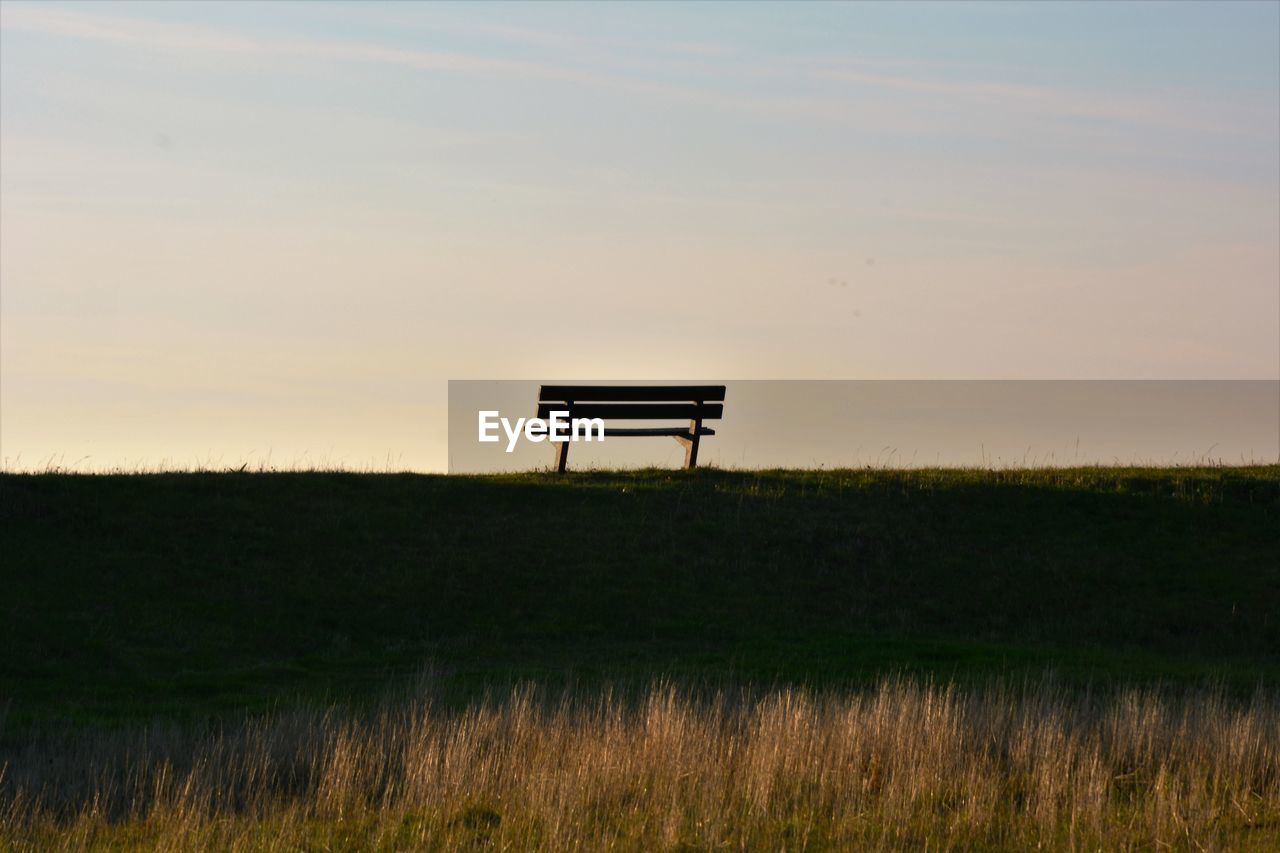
[(692, 403)]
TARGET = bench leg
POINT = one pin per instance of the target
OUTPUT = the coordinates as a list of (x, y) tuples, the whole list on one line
[(561, 449), (691, 453), (690, 443)]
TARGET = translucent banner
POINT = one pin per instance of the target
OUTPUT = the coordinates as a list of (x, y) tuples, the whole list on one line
[(499, 425)]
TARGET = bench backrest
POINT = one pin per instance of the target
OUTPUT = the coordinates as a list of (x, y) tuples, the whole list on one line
[(633, 402)]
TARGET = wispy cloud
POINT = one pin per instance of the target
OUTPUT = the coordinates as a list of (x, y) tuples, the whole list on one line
[(173, 38), (524, 34), (184, 39), (868, 90), (1058, 102)]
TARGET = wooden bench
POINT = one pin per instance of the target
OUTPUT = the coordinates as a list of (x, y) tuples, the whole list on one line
[(692, 403)]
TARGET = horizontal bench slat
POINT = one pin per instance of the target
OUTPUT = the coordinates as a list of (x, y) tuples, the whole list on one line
[(664, 431), (635, 411), (631, 393), (621, 431)]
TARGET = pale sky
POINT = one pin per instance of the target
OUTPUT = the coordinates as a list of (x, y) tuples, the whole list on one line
[(236, 230)]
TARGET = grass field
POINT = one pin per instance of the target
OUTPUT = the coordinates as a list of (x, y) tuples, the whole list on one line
[(899, 766), (1120, 622)]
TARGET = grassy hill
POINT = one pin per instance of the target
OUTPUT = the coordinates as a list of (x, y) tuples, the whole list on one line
[(128, 596)]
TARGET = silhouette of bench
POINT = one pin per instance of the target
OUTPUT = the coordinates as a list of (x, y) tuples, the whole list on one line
[(692, 403)]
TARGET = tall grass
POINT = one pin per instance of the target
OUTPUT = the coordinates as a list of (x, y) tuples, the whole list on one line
[(902, 765)]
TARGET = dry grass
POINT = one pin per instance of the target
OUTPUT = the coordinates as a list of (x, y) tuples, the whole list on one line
[(899, 766)]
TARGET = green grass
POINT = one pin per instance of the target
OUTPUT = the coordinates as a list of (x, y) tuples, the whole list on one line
[(127, 597)]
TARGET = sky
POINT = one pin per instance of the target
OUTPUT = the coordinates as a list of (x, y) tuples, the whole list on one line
[(244, 231)]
